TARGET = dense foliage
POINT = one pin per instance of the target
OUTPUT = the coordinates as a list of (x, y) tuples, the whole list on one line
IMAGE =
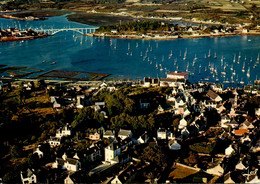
[(137, 26)]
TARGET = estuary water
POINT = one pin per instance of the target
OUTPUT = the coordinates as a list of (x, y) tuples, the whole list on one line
[(229, 60)]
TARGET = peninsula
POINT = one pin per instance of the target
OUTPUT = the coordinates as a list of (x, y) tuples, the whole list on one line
[(150, 29), (13, 34)]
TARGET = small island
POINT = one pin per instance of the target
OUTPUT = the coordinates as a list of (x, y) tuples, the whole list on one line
[(14, 34)]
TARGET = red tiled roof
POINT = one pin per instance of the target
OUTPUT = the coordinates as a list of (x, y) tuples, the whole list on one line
[(178, 73), (240, 132)]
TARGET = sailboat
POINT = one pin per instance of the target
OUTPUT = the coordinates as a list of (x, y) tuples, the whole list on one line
[(243, 68), (232, 79), (248, 72), (234, 60), (239, 55), (195, 58), (170, 55), (161, 69), (215, 56), (185, 53), (242, 82), (187, 69), (209, 54)]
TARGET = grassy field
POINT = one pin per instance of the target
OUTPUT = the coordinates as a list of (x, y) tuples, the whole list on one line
[(223, 11), (227, 5)]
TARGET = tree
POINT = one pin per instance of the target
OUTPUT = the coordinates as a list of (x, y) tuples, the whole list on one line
[(176, 123), (84, 115), (118, 122), (153, 154), (16, 151), (32, 161), (99, 117), (191, 160), (129, 106)]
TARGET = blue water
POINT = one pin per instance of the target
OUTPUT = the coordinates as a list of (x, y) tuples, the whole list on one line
[(133, 58)]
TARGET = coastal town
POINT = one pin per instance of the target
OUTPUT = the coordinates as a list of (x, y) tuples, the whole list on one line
[(14, 34), (152, 130), (129, 91), (142, 30), (163, 30)]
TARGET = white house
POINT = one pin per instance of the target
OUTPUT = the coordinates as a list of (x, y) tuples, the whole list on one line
[(217, 170), (174, 145), (123, 134), (99, 106), (70, 164), (178, 75), (69, 180), (224, 121), (94, 136), (220, 108), (65, 131), (240, 166), (115, 149), (38, 152), (80, 101), (213, 96), (143, 138), (183, 123), (109, 134), (162, 133), (210, 104), (229, 150), (54, 141), (28, 176)]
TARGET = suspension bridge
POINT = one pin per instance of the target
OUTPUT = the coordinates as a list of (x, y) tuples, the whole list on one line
[(82, 31)]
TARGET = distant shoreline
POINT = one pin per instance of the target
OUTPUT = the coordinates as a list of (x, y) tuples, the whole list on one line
[(173, 37)]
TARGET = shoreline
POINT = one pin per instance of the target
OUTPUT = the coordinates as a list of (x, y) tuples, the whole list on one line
[(147, 37), (12, 39), (19, 18)]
